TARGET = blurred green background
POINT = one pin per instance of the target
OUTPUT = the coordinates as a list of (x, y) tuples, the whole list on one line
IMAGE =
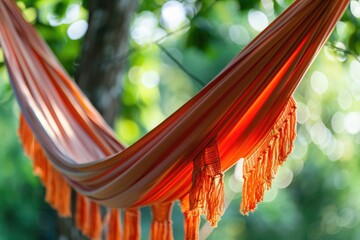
[(316, 194)]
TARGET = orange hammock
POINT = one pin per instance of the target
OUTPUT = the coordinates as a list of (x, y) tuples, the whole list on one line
[(246, 112)]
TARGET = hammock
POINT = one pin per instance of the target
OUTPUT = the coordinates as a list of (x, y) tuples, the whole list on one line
[(247, 112)]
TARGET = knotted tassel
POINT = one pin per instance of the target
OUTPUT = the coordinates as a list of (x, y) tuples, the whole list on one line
[(81, 215), (161, 227), (132, 224), (191, 219), (94, 224), (114, 230), (207, 191), (260, 168)]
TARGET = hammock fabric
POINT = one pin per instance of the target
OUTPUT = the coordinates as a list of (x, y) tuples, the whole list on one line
[(246, 112)]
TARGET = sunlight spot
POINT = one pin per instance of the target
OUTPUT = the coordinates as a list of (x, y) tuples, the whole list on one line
[(341, 28), (144, 28), (72, 13), (300, 150), (337, 122), (282, 3), (283, 177), (21, 5), (355, 8), (150, 79), (238, 173), (331, 149), (173, 14), (315, 109), (297, 166), (270, 195), (30, 14), (77, 29), (127, 130), (239, 35), (268, 6), (345, 99), (319, 82), (53, 19), (338, 151), (327, 142), (355, 90), (355, 70), (135, 73), (151, 117), (318, 133), (258, 20), (352, 122), (302, 113), (159, 34), (234, 184)]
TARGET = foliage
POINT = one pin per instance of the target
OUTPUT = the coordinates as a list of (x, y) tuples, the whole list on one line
[(315, 194)]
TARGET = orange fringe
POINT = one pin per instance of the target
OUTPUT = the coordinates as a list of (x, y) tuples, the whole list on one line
[(81, 215), (191, 219), (114, 230), (94, 223), (260, 168), (132, 224), (58, 192), (207, 191), (161, 227)]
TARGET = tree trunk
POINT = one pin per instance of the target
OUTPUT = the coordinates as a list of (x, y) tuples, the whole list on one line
[(99, 75)]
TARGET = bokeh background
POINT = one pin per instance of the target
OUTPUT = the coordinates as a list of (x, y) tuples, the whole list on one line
[(173, 46)]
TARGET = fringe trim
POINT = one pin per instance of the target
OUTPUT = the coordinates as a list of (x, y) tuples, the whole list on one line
[(191, 219), (58, 192), (260, 168), (81, 215), (114, 229), (207, 191), (161, 227), (94, 223), (132, 224)]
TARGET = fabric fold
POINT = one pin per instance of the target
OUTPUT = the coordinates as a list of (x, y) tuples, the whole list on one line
[(207, 192)]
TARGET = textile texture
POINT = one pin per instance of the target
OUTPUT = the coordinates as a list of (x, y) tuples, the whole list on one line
[(246, 111)]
